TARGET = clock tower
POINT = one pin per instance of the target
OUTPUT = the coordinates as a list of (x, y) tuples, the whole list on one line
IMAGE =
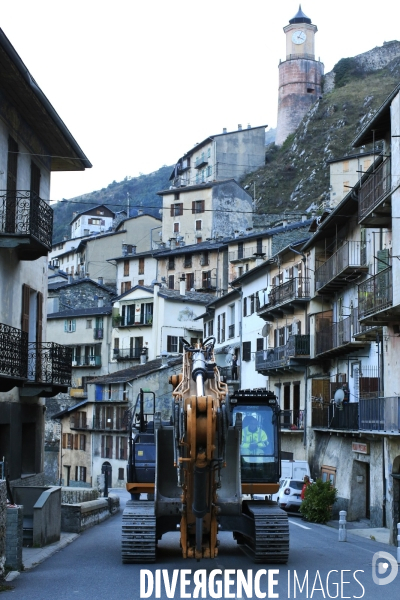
[(300, 76)]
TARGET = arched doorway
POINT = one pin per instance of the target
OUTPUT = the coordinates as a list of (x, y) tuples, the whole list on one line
[(107, 468)]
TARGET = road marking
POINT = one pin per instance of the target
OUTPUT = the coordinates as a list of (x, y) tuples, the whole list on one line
[(298, 524)]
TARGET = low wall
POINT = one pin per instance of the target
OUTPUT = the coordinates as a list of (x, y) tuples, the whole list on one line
[(13, 538), (47, 518), (76, 495), (75, 518)]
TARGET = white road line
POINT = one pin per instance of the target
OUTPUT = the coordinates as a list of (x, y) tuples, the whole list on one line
[(298, 524)]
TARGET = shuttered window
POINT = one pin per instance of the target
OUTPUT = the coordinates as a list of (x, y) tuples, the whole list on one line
[(198, 206), (246, 354), (177, 210), (26, 290)]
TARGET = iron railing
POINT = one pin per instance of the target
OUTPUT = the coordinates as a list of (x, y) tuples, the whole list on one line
[(335, 336), (375, 188), (119, 322), (49, 363), (375, 294), (247, 252), (292, 419), (129, 353), (347, 256), (23, 213), (380, 414), (226, 373), (298, 287), (118, 424), (330, 416), (13, 352), (298, 346)]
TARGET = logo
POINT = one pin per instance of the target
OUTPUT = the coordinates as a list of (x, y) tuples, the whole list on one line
[(381, 562)]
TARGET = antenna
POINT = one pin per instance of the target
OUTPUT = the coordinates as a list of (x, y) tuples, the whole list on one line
[(338, 399)]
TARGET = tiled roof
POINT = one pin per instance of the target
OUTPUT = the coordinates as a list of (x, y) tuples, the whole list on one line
[(81, 312), (138, 371)]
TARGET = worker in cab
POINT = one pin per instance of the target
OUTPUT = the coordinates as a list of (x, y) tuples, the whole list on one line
[(254, 439)]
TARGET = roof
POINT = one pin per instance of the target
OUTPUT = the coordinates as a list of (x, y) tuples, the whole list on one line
[(88, 210), (175, 295), (350, 156), (22, 91), (63, 284), (222, 299), (70, 409), (136, 255), (138, 371), (379, 125), (136, 287), (81, 312), (192, 248), (300, 17), (83, 240)]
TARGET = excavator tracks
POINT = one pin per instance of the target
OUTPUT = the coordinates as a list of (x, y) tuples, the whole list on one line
[(139, 532), (271, 540)]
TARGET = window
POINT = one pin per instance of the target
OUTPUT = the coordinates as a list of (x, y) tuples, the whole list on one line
[(328, 474), (245, 307), (345, 166), (171, 282), (176, 228), (246, 351), (209, 171), (259, 246), (198, 206), (260, 344), (177, 210), (121, 474), (67, 441), (82, 442), (240, 250), (141, 282), (210, 328), (80, 474), (125, 286), (35, 179), (176, 196), (251, 304), (204, 260), (174, 343), (198, 225), (199, 240), (171, 263), (221, 328), (126, 268), (208, 151), (88, 323), (69, 325), (189, 281), (141, 266), (106, 446), (121, 447), (187, 261)]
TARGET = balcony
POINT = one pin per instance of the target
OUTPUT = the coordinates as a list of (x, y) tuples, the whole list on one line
[(291, 357), (284, 298), (130, 353), (337, 339), (98, 333), (343, 267), (330, 416), (87, 361), (201, 161), (26, 224), (13, 357), (49, 369), (380, 414), (130, 322), (247, 253), (110, 424), (374, 197), (78, 422), (369, 333), (375, 299), (292, 420)]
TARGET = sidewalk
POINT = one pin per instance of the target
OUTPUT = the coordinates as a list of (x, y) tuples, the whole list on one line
[(362, 529)]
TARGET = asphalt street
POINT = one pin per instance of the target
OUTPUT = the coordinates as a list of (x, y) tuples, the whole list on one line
[(319, 566)]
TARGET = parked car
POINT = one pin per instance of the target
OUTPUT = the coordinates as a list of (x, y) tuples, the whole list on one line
[(288, 495)]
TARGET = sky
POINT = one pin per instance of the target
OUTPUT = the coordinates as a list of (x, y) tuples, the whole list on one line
[(139, 82)]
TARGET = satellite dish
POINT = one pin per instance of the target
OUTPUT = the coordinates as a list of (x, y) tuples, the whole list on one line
[(266, 329), (338, 398)]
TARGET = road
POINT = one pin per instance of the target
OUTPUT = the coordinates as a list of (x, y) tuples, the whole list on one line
[(319, 567)]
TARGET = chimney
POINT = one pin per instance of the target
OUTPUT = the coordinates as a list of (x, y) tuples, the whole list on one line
[(224, 130), (284, 222), (70, 278), (248, 126), (303, 218), (240, 127), (182, 282), (139, 212), (124, 249), (164, 358), (100, 280), (173, 243)]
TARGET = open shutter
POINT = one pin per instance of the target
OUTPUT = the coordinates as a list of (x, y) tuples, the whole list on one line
[(193, 207), (76, 441), (26, 290), (64, 440), (172, 214)]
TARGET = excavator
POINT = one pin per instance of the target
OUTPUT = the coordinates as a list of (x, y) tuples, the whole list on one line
[(205, 468)]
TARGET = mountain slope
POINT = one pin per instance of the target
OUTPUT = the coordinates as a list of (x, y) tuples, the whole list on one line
[(296, 176)]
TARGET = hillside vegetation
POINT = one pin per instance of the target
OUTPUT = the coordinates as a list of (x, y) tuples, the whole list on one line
[(296, 175)]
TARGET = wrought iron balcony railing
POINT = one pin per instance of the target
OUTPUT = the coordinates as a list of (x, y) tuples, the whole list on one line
[(120, 322), (375, 294), (13, 352), (298, 346), (380, 414), (330, 416), (345, 263), (296, 288), (375, 188), (292, 419), (337, 336), (24, 215), (247, 252), (129, 353), (49, 363), (119, 424)]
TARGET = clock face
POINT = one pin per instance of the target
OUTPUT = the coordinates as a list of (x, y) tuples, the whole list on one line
[(299, 37)]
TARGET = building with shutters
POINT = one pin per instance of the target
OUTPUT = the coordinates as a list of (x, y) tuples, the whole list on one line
[(34, 142)]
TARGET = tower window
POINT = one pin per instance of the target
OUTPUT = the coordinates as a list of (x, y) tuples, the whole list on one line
[(310, 90)]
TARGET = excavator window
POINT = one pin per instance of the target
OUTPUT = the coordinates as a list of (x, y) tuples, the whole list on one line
[(257, 447)]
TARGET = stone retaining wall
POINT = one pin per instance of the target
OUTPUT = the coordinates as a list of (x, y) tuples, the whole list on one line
[(14, 537), (75, 518)]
